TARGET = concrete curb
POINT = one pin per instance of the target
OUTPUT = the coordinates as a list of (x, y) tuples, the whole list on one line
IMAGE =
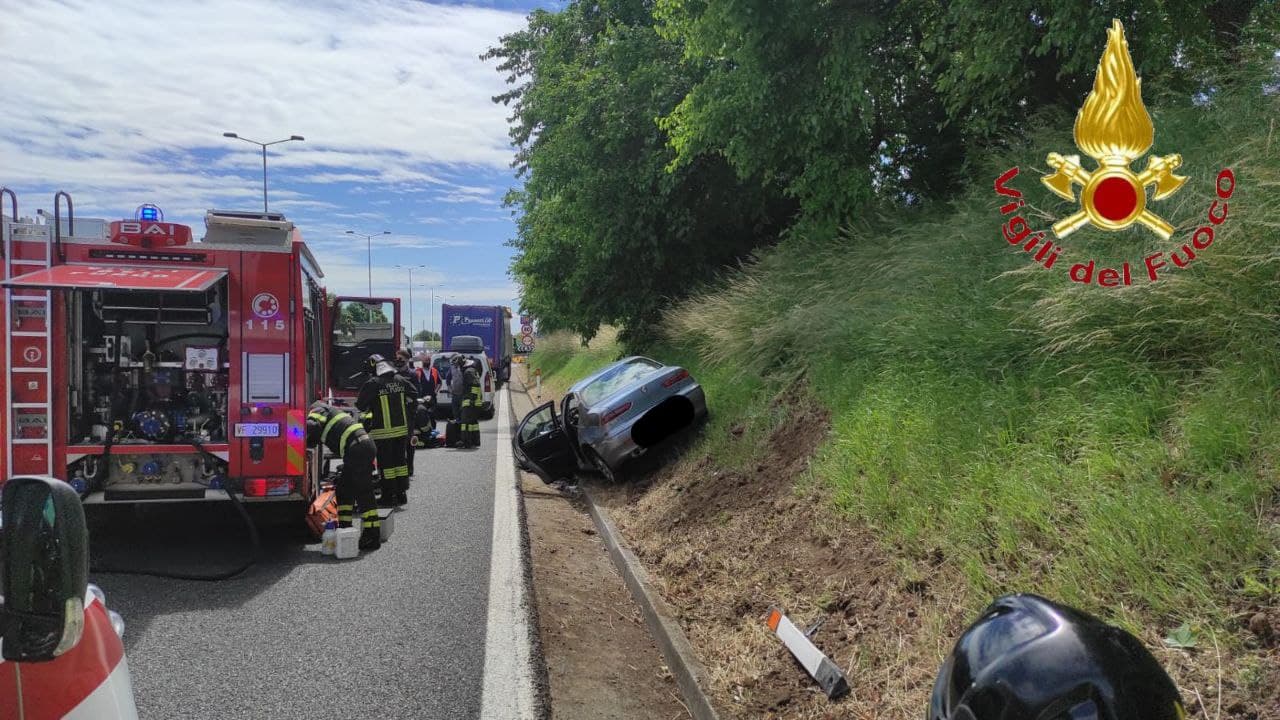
[(676, 650)]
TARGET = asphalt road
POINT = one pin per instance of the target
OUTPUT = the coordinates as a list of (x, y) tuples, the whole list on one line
[(397, 633)]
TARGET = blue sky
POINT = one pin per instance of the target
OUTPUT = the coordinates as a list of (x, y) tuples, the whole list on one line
[(125, 102)]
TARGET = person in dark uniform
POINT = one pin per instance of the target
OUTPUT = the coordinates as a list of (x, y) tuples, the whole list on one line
[(346, 438), (428, 385), (405, 373), (457, 388), (383, 407), (472, 399)]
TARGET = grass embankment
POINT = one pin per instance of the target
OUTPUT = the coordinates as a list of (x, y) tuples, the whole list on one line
[(564, 360), (1112, 448)]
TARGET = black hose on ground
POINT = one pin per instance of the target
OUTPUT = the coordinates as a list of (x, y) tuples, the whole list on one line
[(254, 540), (202, 577)]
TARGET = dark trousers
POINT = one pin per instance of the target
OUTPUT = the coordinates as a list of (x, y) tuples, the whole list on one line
[(470, 423), (456, 401), (355, 485), (392, 456)]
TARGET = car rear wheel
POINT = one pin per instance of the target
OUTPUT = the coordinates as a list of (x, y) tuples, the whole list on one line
[(601, 466)]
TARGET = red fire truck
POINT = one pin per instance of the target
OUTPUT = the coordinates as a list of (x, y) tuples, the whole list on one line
[(143, 366)]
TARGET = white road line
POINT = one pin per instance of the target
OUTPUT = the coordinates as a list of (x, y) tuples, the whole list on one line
[(508, 649)]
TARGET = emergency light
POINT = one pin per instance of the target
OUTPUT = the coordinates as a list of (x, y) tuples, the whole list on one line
[(148, 213), (268, 487)]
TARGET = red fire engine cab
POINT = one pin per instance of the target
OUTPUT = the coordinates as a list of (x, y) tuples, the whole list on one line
[(141, 365)]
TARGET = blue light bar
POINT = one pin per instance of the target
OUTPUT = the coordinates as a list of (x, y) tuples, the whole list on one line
[(148, 213)]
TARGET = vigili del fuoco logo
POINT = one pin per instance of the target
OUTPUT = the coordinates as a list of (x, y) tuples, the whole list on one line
[(1114, 129)]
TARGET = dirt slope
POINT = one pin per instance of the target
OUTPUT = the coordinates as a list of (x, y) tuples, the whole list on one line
[(723, 546), (601, 662)]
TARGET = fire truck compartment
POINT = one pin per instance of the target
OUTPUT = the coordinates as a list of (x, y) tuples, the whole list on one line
[(148, 395)]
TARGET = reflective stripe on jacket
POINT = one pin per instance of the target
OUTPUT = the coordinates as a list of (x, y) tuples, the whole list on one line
[(384, 402), (333, 428)]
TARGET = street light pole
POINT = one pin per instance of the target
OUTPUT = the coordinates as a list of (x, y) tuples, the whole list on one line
[(263, 145), (368, 246), (430, 317), (411, 268), (431, 309)]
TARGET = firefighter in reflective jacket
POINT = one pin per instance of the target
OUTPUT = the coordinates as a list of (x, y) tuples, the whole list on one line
[(346, 438), (383, 402), (472, 399)]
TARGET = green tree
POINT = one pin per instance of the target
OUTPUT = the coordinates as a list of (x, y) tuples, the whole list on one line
[(662, 140), (606, 233), (845, 103), (427, 335)]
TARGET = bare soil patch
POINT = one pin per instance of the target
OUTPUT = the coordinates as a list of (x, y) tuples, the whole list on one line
[(601, 662), (723, 546)]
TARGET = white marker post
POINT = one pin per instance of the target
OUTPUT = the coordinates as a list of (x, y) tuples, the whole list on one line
[(818, 665)]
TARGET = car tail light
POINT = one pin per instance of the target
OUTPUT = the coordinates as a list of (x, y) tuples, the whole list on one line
[(614, 413), (488, 382), (267, 487), (675, 378)]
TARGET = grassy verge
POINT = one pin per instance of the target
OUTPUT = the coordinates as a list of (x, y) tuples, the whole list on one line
[(1111, 448), (563, 359), (1115, 449)]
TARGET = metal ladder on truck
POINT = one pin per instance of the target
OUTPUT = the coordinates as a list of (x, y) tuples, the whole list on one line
[(28, 401)]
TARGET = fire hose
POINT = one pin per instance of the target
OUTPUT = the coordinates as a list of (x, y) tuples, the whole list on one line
[(254, 540)]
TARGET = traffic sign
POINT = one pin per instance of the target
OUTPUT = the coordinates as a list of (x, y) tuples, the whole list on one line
[(526, 329)]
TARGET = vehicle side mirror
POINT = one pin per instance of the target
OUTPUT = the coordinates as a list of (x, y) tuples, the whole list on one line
[(45, 555)]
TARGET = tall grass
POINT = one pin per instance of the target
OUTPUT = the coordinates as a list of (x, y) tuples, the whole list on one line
[(1112, 448), (564, 360)]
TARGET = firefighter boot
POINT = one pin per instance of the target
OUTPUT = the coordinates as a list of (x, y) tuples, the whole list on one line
[(371, 530), (390, 493)]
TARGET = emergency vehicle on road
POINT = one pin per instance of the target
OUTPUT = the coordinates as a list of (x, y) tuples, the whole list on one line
[(143, 366)]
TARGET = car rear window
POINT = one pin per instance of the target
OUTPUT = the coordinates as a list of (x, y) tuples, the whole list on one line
[(441, 362), (616, 378)]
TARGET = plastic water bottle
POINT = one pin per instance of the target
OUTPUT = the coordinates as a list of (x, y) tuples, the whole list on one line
[(329, 540)]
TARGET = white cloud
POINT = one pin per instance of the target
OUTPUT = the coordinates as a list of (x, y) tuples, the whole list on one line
[(127, 100)]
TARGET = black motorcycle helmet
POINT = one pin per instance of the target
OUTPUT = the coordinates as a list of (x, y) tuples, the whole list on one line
[(1027, 658)]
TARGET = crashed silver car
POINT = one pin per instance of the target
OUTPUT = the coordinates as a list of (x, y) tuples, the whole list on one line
[(608, 419)]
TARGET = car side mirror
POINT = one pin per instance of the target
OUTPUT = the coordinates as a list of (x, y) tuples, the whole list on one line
[(45, 555)]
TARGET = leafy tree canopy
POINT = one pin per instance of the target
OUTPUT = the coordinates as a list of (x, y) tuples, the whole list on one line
[(660, 140), (605, 233)]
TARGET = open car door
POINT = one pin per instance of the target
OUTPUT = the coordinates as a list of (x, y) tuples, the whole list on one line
[(542, 446), (360, 327)]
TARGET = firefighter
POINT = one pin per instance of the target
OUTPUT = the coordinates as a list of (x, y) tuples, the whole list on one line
[(456, 387), (472, 399), (1028, 657), (346, 438), (382, 402)]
